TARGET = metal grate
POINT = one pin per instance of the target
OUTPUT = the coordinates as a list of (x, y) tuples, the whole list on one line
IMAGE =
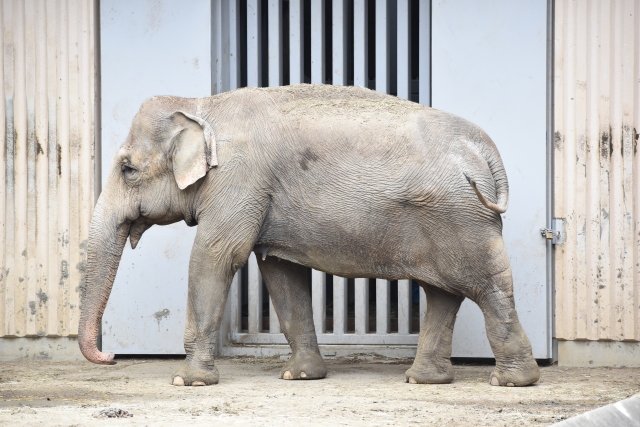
[(383, 45)]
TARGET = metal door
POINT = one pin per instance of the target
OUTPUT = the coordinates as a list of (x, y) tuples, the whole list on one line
[(150, 48), (489, 66)]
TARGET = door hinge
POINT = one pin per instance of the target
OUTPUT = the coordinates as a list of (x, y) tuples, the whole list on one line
[(556, 233)]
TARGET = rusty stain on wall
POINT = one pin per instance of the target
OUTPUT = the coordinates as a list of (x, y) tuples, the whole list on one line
[(46, 162), (597, 170)]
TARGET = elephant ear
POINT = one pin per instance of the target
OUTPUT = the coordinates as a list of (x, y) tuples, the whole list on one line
[(194, 149)]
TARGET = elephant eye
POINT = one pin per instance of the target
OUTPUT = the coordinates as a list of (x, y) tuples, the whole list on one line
[(128, 171)]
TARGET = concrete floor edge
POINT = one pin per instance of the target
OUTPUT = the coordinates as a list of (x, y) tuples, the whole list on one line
[(570, 353), (599, 353)]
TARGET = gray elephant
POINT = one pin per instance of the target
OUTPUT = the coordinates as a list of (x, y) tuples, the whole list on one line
[(345, 180)]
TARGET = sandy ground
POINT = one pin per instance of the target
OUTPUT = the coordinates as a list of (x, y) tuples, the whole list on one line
[(357, 392)]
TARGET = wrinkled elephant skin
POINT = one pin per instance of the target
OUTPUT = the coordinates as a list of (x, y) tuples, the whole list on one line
[(340, 179)]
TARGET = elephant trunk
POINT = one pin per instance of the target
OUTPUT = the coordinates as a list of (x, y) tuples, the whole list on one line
[(107, 237)]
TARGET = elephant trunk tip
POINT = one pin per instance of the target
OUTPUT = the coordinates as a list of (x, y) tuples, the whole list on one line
[(98, 357), (90, 351)]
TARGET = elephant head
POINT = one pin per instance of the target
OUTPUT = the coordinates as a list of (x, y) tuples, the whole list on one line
[(154, 178)]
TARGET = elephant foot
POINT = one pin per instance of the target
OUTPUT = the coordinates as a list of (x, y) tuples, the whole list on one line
[(304, 365), (516, 376), (190, 376), (430, 373)]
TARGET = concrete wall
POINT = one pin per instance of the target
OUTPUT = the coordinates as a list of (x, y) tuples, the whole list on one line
[(47, 170), (597, 178)]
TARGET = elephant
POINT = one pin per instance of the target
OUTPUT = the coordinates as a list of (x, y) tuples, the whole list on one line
[(345, 180)]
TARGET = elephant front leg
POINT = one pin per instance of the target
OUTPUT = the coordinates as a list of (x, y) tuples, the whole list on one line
[(289, 290), (432, 364), (209, 284)]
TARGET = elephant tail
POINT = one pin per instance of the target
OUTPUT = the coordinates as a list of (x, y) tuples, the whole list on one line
[(502, 186)]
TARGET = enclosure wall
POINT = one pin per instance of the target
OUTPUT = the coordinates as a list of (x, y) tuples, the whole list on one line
[(597, 170), (47, 164)]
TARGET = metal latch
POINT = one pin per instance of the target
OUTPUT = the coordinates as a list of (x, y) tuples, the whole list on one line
[(555, 234)]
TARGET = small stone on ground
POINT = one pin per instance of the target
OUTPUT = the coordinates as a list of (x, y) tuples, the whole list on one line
[(112, 413)]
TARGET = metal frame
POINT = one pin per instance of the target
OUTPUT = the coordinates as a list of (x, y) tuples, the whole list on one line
[(550, 256)]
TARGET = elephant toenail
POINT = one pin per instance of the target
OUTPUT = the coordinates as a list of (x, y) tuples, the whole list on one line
[(303, 375), (412, 381), (197, 383), (178, 381), (510, 384), (494, 381), (287, 376)]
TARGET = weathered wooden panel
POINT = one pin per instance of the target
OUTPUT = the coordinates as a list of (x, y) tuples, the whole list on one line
[(46, 163), (597, 187)]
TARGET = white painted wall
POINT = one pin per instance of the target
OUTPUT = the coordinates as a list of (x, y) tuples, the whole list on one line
[(150, 48)]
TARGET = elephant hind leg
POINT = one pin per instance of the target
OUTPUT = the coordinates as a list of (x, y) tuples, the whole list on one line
[(432, 364), (289, 290), (515, 365)]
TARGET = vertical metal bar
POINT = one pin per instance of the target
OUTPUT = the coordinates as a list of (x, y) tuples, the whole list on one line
[(596, 206), (94, 30), (254, 64), (404, 307), (274, 322), (223, 59), (631, 312), (404, 50), (339, 305), (625, 63), (275, 42), (20, 170), (636, 120), (74, 169), (29, 95), (580, 177), (360, 44), (296, 46), (382, 47), (569, 297), (216, 45), (339, 43), (549, 180), (236, 306), (234, 45), (562, 119), (317, 41), (318, 297), (63, 170), (3, 183), (361, 287), (617, 212), (53, 324), (424, 54), (9, 326), (85, 102), (255, 295), (593, 212), (383, 306), (423, 305)]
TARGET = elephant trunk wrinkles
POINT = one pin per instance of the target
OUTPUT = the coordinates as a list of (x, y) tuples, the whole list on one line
[(107, 237)]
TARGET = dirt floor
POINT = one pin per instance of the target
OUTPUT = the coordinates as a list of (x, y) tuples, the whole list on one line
[(357, 392)]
